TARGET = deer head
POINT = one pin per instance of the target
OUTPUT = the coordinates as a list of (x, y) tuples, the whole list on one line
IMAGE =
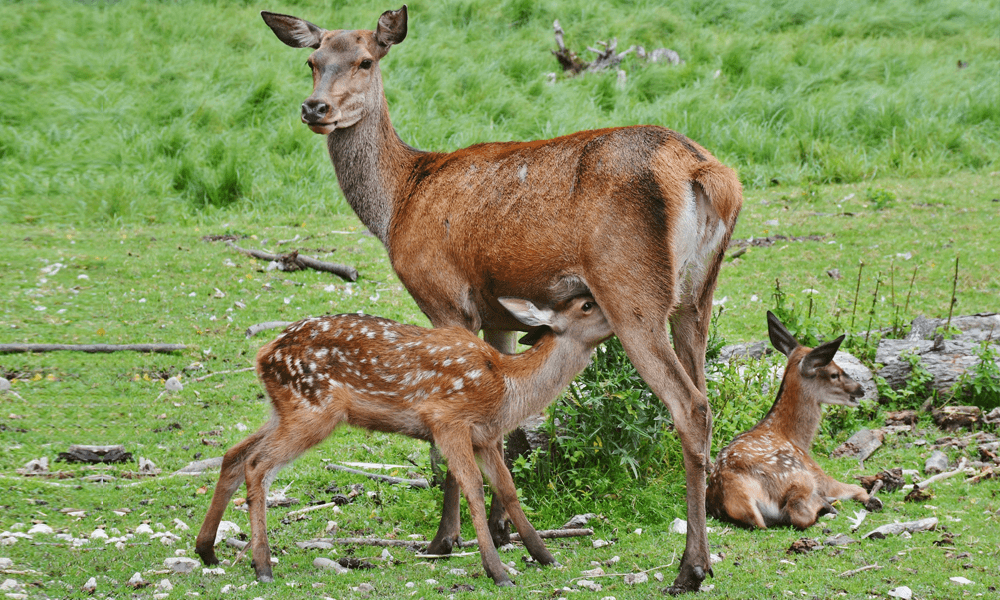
[(347, 83), (821, 378)]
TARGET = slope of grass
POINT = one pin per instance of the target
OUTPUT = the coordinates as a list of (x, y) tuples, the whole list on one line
[(152, 112)]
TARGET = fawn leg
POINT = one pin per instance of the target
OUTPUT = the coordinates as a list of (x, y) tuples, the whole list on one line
[(448, 529), (499, 524), (456, 445), (503, 486), (230, 478)]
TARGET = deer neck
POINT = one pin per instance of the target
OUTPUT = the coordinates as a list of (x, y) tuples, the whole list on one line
[(535, 377), (372, 166), (794, 416)]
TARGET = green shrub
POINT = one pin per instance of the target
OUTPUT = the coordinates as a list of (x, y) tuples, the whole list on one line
[(980, 385)]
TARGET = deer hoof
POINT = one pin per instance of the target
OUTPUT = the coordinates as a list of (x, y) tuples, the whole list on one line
[(505, 583), (873, 504)]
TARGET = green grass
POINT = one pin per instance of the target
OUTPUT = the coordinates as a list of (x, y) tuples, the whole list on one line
[(129, 131), (153, 112)]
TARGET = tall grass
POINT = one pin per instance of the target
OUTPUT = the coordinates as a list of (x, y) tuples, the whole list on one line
[(154, 111)]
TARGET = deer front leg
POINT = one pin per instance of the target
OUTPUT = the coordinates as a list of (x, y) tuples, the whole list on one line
[(832, 490)]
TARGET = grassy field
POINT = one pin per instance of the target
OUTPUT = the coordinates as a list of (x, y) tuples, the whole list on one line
[(130, 133)]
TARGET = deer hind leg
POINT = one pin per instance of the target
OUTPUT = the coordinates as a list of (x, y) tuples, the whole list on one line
[(280, 446), (503, 486), (832, 490), (231, 477), (498, 521), (803, 506), (637, 314), (456, 445)]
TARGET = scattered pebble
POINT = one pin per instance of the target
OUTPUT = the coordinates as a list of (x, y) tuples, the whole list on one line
[(960, 580), (180, 564), (679, 526), (589, 585), (215, 571), (6, 563), (144, 529), (636, 578), (458, 572), (91, 586), (40, 528), (601, 543), (901, 592), (592, 572), (226, 529), (164, 585), (180, 525), (10, 585), (329, 565)]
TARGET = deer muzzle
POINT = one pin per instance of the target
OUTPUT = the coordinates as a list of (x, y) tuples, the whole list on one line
[(320, 116)]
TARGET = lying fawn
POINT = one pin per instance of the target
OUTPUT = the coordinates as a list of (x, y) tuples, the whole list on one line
[(443, 385), (766, 476)]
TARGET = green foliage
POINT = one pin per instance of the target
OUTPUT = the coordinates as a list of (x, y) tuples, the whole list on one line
[(918, 386), (880, 198), (740, 391), (980, 385)]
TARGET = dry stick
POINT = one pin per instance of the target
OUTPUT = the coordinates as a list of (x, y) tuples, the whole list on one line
[(243, 551), (853, 572), (204, 377), (294, 258), (255, 329), (910, 291), (310, 509), (857, 290), (417, 483), (672, 558), (962, 464), (871, 314), (954, 300), (93, 348)]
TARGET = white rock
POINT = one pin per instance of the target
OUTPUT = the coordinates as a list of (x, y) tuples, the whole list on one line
[(226, 529), (180, 564), (6, 563), (98, 534), (458, 572), (329, 565), (161, 596), (10, 585), (215, 571), (180, 525), (364, 587), (144, 529), (90, 586), (226, 589), (635, 578), (386, 555), (431, 581), (136, 580), (679, 526), (240, 427), (902, 592), (40, 528), (960, 580), (410, 585), (592, 572), (589, 585), (164, 585), (600, 543), (174, 385)]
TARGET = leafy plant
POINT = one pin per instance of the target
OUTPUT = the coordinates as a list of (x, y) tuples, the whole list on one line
[(980, 385), (917, 390), (880, 198)]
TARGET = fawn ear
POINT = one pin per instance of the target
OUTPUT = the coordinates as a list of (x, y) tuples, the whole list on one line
[(819, 357), (528, 313), (531, 338), (781, 339), (295, 32), (391, 29)]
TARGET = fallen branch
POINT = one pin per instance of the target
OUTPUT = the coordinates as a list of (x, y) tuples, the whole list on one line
[(962, 464), (666, 566), (417, 483), (928, 524), (255, 329), (453, 555), (204, 377), (92, 348), (412, 544), (987, 473), (854, 572), (293, 261)]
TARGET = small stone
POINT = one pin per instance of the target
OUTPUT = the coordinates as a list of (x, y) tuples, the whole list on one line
[(841, 539), (98, 534), (226, 589), (180, 525), (600, 543), (592, 572), (136, 581), (960, 580), (144, 529), (937, 463), (589, 585), (164, 585), (658, 576), (579, 521), (458, 572), (365, 587), (10, 585), (679, 526), (6, 563), (215, 571), (91, 586), (226, 529), (431, 581), (635, 578), (901, 592), (174, 385), (40, 528), (180, 564)]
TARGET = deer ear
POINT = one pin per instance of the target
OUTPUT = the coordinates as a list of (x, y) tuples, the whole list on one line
[(295, 32), (528, 313), (391, 29), (819, 357), (531, 338), (781, 339)]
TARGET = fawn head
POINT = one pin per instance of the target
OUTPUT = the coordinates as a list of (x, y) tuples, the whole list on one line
[(347, 83), (580, 318), (821, 378)]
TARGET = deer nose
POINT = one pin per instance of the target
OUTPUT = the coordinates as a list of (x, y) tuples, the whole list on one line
[(314, 110)]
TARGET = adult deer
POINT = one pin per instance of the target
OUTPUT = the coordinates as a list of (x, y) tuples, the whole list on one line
[(638, 217), (766, 476), (444, 385)]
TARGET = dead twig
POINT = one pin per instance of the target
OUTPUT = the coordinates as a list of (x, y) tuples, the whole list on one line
[(92, 348), (310, 509), (854, 572), (962, 464), (417, 483), (293, 261), (255, 329)]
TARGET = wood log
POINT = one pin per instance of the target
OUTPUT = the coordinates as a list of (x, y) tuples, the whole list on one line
[(860, 446), (293, 261), (92, 348), (927, 524), (95, 454)]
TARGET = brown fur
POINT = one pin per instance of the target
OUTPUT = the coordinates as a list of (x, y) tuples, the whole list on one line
[(640, 217), (443, 385), (766, 477)]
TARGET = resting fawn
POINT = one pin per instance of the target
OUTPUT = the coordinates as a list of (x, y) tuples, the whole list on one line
[(766, 476), (443, 385)]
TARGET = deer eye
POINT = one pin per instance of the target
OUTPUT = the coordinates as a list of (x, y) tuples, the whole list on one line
[(835, 376), (366, 63), (588, 306)]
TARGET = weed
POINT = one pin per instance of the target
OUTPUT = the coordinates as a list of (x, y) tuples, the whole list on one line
[(918, 386), (980, 385)]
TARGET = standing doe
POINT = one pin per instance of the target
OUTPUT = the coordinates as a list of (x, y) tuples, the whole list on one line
[(442, 385), (766, 476), (637, 217)]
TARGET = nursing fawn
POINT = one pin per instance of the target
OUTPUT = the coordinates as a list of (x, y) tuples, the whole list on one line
[(766, 476), (442, 385)]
